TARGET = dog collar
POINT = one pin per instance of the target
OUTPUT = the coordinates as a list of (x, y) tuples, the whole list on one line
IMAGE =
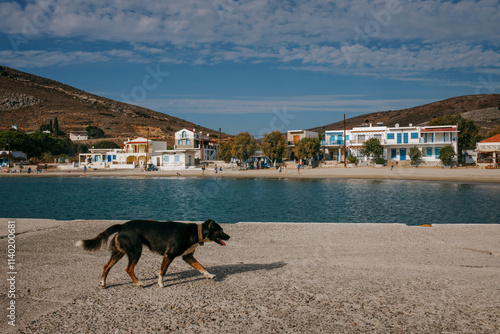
[(200, 235)]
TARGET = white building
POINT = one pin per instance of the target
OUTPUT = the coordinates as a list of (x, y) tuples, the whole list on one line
[(334, 144), (205, 148), (177, 159), (396, 141), (78, 135), (294, 136), (135, 153)]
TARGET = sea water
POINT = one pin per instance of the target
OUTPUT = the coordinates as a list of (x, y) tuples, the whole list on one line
[(250, 200)]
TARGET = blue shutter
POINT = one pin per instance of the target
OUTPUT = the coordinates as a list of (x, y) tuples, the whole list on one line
[(429, 151), (405, 135), (400, 138), (390, 136)]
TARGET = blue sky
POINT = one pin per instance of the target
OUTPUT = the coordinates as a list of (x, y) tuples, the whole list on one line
[(259, 65)]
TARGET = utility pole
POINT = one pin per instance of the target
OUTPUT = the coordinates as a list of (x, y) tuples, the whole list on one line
[(345, 152), (218, 148), (202, 144)]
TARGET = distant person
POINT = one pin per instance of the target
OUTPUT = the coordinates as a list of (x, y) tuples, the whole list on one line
[(298, 168), (220, 169), (203, 170), (279, 169), (84, 170), (392, 164), (215, 169), (29, 170)]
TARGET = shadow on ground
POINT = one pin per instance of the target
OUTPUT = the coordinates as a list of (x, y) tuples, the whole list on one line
[(221, 273)]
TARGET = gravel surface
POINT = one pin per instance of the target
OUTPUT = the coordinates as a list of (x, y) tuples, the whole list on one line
[(281, 278)]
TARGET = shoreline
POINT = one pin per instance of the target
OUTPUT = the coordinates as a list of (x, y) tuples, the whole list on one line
[(472, 175), (271, 277)]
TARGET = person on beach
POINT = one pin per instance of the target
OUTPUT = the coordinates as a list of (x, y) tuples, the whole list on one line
[(279, 168), (84, 170), (298, 168), (220, 169), (203, 170), (392, 164)]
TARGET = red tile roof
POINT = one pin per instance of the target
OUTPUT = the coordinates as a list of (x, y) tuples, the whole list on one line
[(454, 128), (494, 139)]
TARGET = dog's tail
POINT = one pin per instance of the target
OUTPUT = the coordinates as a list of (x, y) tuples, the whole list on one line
[(101, 239)]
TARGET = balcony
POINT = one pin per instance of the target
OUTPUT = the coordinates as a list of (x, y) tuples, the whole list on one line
[(332, 142)]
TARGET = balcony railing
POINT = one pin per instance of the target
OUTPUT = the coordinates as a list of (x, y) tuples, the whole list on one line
[(332, 142)]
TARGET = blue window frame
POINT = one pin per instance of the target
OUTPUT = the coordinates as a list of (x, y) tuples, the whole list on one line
[(436, 151), (96, 158), (114, 156), (394, 153), (109, 158), (444, 137), (177, 158), (390, 136), (405, 136), (347, 137), (400, 139), (184, 134), (432, 138), (166, 158), (414, 135), (429, 151)]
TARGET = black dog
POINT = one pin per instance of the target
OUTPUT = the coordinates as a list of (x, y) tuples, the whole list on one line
[(169, 239)]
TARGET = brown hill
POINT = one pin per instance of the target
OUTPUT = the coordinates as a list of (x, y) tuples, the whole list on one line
[(30, 101), (482, 109)]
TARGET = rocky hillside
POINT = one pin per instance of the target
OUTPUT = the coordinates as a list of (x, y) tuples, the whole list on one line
[(482, 109), (29, 101)]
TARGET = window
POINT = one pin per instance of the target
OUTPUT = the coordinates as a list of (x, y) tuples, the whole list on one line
[(414, 135), (400, 138), (188, 141), (166, 158), (437, 151), (183, 134), (429, 151), (96, 158), (390, 136), (378, 136), (361, 137), (114, 157), (405, 137), (425, 138), (177, 158), (394, 153)]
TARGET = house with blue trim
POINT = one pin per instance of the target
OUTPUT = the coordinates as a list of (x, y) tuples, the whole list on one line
[(333, 145), (396, 141)]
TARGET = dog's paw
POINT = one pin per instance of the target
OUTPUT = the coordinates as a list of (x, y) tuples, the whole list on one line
[(139, 284), (209, 276)]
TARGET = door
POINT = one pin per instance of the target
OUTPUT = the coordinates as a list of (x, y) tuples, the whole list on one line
[(296, 139), (402, 154), (394, 153)]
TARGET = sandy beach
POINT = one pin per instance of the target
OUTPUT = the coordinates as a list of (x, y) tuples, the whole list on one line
[(282, 278), (398, 173)]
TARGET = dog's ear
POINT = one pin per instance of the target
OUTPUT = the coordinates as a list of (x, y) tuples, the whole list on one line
[(210, 223)]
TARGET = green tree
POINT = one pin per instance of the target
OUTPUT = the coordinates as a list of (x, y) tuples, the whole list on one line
[(56, 127), (225, 150), (372, 147), (106, 144), (468, 131), (307, 148), (94, 132), (274, 146), (415, 155), (446, 155), (243, 147)]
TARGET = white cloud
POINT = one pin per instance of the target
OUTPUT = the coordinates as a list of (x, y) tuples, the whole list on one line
[(388, 35), (313, 103)]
